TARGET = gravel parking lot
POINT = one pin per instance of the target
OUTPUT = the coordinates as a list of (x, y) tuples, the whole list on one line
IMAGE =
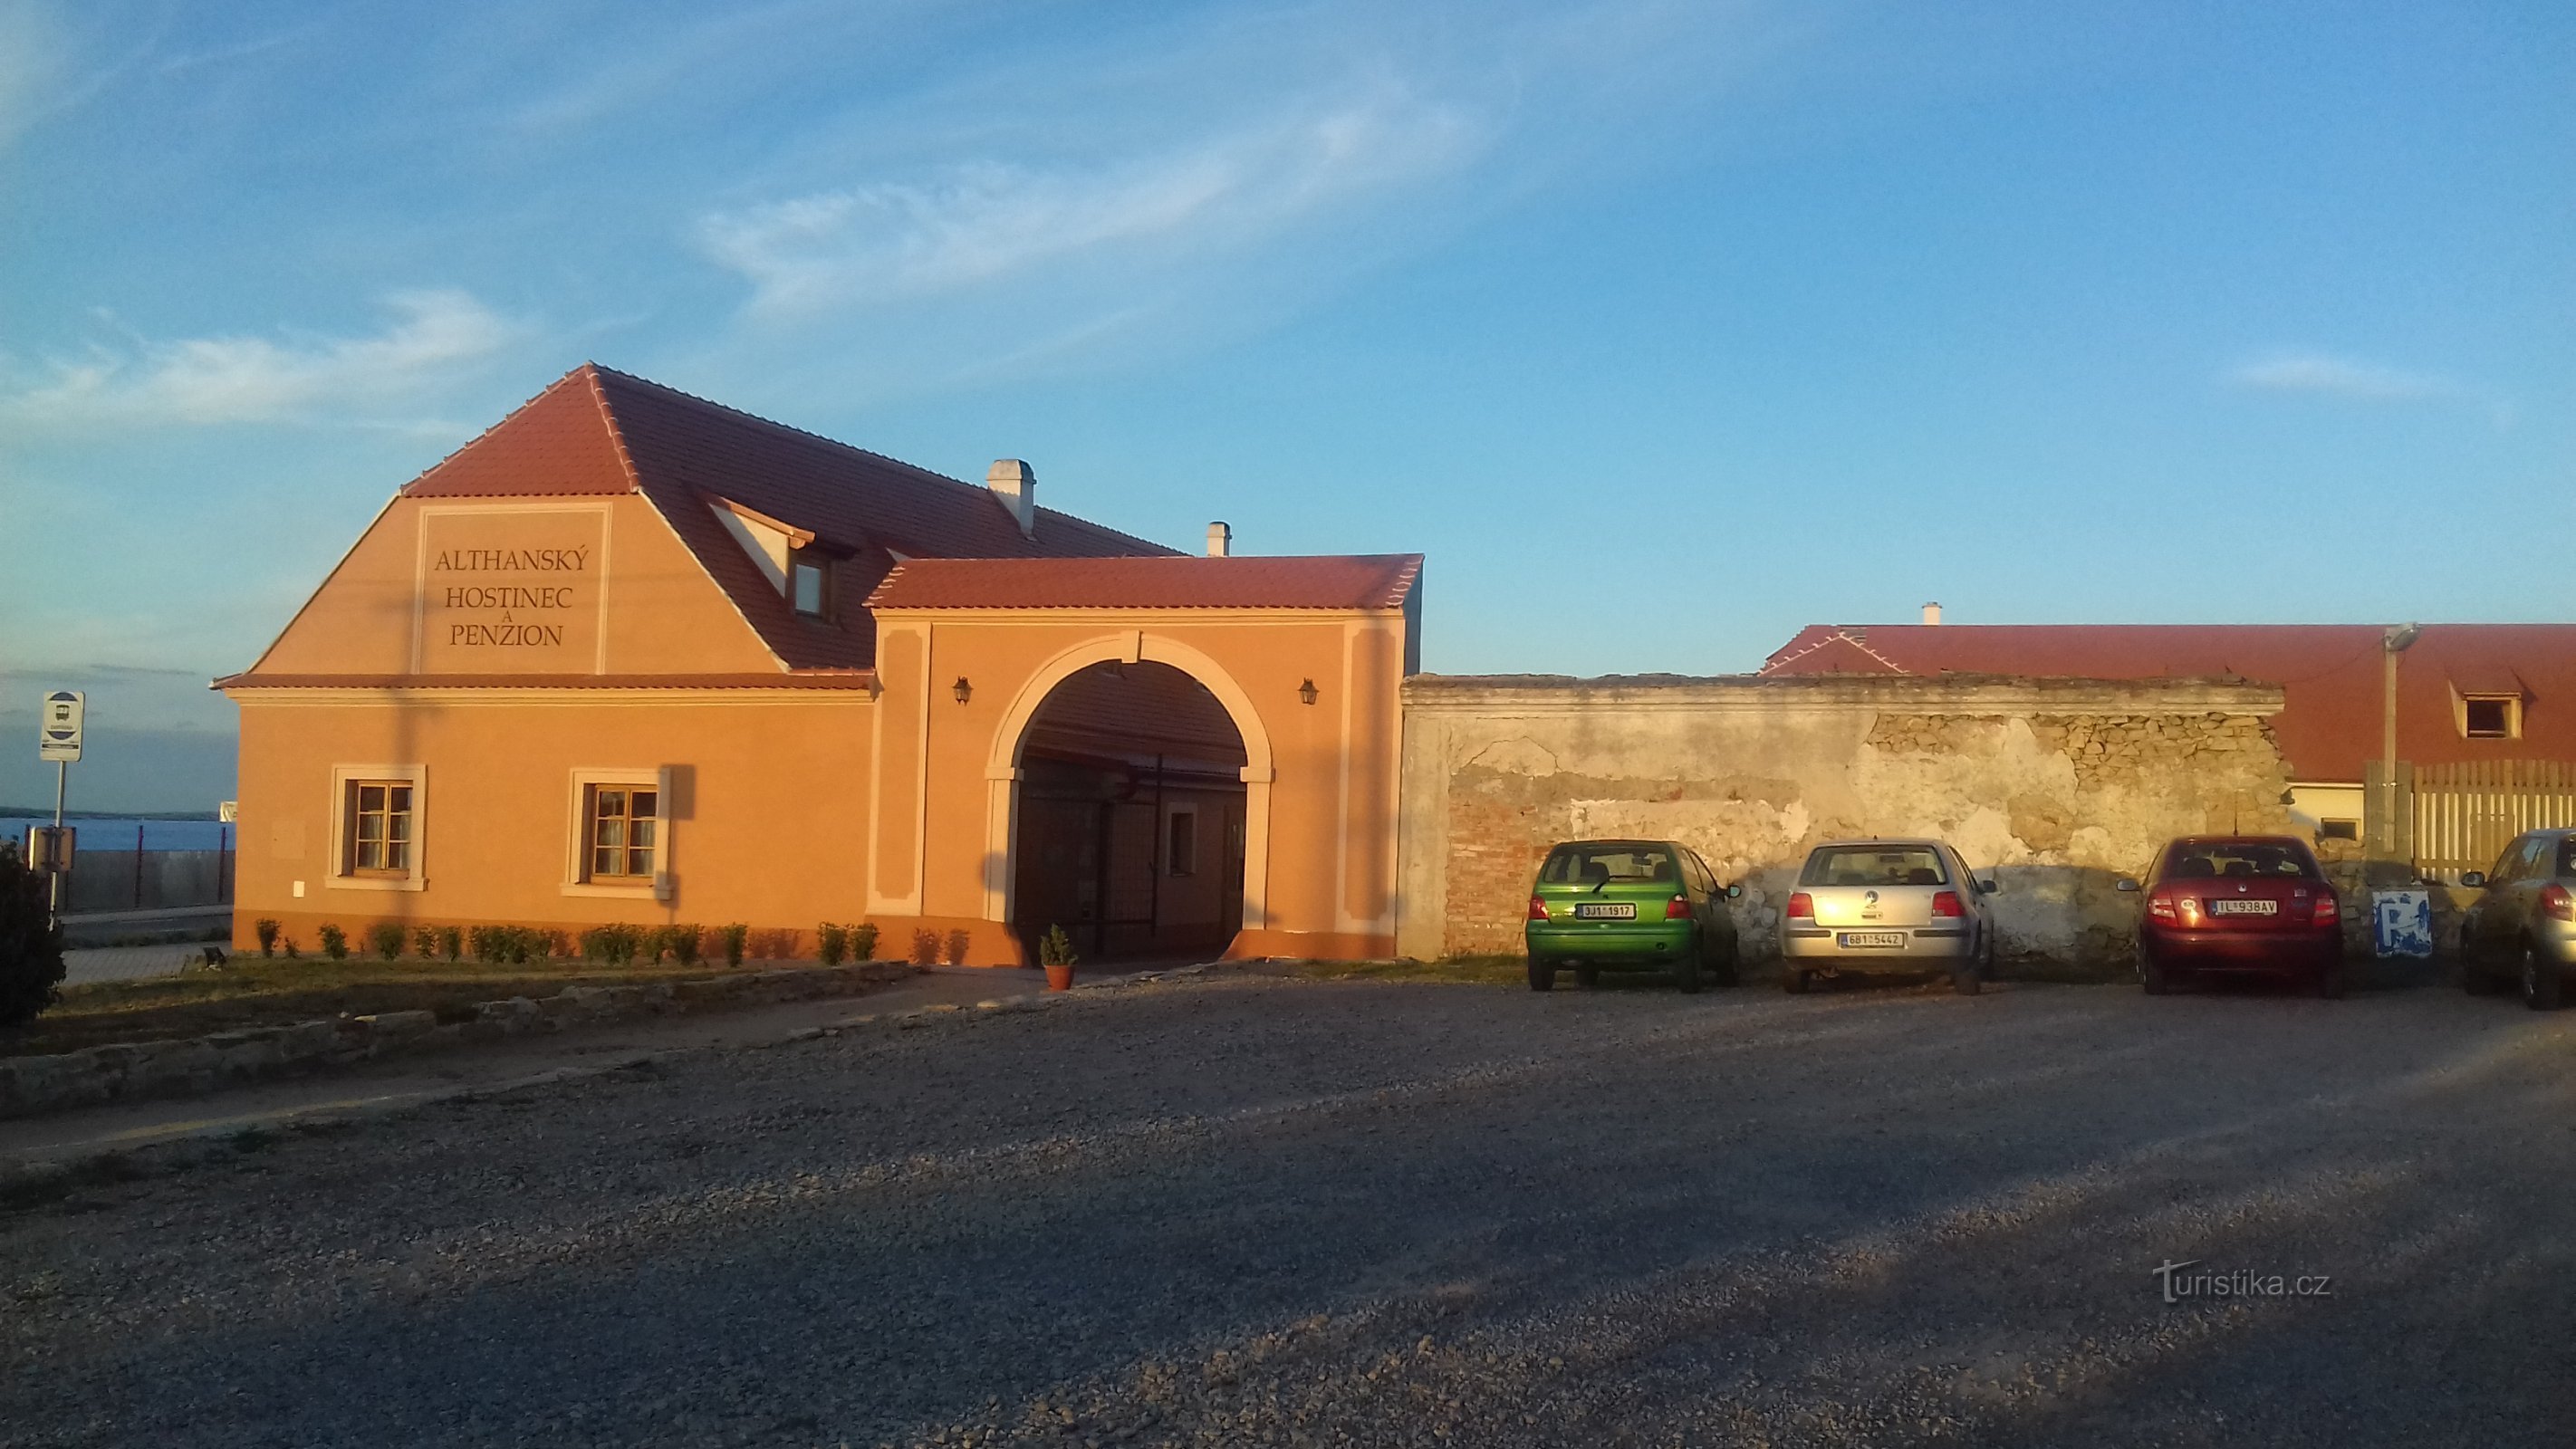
[(1262, 1210)]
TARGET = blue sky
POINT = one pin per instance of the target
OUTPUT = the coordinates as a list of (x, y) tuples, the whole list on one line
[(1739, 317)]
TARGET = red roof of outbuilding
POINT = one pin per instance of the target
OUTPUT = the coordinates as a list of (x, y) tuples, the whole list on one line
[(1331, 581), (2330, 674), (599, 431)]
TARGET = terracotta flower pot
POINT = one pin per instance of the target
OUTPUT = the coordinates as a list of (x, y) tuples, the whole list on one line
[(1059, 978)]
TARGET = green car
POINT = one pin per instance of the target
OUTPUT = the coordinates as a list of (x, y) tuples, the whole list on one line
[(1630, 905)]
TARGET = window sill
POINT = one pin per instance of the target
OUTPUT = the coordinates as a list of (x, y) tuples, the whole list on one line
[(638, 890), (375, 883)]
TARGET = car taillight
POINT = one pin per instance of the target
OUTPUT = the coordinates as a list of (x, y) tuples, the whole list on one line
[(1538, 909), (1945, 904), (2556, 903), (1802, 905), (1677, 909), (2160, 906), (2328, 908)]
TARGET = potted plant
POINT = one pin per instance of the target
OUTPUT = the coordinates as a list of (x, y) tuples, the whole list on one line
[(1055, 953)]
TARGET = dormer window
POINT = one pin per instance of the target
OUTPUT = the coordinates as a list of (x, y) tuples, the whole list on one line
[(807, 586), (2491, 717)]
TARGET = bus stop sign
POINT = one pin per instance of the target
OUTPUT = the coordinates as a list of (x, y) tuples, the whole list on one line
[(58, 733)]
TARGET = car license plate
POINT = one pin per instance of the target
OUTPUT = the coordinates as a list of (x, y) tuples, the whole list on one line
[(1873, 938), (2248, 907), (1605, 910)]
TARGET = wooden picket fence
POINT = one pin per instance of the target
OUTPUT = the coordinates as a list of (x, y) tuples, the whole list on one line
[(2464, 813)]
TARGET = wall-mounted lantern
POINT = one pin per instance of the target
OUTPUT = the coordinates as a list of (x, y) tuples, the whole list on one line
[(1306, 690), (963, 691)]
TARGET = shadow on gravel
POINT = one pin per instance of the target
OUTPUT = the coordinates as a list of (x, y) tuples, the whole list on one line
[(1396, 1212)]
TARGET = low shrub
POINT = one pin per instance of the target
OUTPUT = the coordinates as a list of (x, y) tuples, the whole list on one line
[(616, 945), (685, 940), (31, 947), (386, 939), (831, 943), (291, 953), (335, 942), (265, 928), (957, 942), (735, 937), (424, 942), (863, 941), (451, 943), (925, 948), (508, 945)]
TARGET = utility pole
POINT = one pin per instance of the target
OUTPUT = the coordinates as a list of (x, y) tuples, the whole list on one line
[(2392, 643)]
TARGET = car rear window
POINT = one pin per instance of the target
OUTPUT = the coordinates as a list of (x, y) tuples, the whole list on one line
[(2239, 860), (1874, 865), (1597, 864)]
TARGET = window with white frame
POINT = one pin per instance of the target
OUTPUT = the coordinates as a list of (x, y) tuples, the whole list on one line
[(620, 832)]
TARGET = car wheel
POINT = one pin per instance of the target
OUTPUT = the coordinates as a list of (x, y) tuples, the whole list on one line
[(1795, 980), (2152, 974), (2330, 981), (1686, 972), (1587, 976), (1542, 975), (2543, 988)]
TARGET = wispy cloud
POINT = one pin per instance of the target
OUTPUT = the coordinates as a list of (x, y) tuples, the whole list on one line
[(433, 339), (31, 63), (990, 222), (2319, 372)]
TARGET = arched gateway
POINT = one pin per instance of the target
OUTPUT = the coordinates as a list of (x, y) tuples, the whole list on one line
[(1131, 803), (633, 657), (1301, 657)]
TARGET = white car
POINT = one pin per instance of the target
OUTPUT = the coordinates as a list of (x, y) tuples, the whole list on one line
[(1887, 905)]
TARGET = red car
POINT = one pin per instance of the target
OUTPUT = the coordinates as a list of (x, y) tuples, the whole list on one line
[(2239, 903)]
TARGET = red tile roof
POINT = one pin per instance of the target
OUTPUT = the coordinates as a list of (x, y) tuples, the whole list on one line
[(802, 679), (1332, 581), (2330, 674), (601, 431)]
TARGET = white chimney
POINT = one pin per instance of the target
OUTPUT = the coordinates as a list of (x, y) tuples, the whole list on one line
[(1220, 539), (1931, 613), (1016, 484)]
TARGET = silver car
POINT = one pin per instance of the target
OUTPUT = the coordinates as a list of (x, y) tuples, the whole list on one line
[(2524, 927), (1887, 905)]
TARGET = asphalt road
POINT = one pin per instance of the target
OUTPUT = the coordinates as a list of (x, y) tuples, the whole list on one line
[(1263, 1211)]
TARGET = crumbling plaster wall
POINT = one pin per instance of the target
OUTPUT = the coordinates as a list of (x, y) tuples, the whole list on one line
[(2056, 788)]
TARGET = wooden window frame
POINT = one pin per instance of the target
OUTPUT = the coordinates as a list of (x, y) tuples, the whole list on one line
[(2512, 706), (579, 878), (346, 874)]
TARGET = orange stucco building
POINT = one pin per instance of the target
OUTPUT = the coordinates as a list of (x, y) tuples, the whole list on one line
[(631, 656)]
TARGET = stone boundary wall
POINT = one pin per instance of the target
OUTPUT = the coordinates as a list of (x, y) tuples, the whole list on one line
[(2056, 787), (190, 1066)]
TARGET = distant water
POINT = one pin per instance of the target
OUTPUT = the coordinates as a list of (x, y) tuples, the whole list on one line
[(120, 834)]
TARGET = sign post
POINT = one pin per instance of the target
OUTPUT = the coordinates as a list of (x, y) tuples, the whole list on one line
[(58, 738)]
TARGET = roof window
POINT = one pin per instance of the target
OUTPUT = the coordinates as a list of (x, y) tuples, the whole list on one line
[(2491, 717)]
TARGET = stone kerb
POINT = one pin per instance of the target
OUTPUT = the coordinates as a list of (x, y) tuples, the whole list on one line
[(132, 1071)]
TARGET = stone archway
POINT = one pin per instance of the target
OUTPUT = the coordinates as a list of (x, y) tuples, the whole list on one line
[(1061, 739)]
